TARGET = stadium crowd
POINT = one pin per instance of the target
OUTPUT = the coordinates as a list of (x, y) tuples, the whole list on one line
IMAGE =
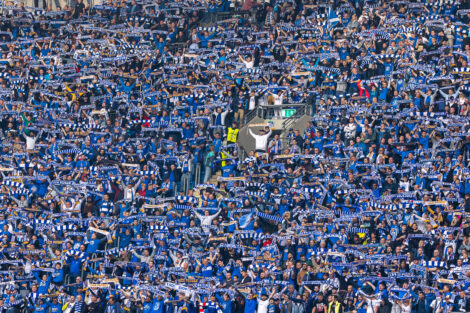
[(108, 110)]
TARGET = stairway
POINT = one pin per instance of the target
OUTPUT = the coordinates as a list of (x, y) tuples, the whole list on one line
[(297, 124), (213, 179)]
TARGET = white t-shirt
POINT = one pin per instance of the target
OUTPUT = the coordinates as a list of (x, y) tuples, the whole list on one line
[(278, 99), (263, 306), (129, 194), (261, 141), (30, 142), (252, 105), (405, 308), (350, 130), (371, 305), (249, 64)]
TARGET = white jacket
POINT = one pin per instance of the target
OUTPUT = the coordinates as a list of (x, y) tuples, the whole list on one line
[(261, 140)]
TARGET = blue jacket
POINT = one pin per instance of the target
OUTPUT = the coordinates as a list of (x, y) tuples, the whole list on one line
[(43, 286)]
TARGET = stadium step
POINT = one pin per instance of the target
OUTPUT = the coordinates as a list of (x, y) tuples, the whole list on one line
[(213, 179)]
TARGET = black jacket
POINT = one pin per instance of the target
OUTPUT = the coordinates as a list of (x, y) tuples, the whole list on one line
[(94, 307)]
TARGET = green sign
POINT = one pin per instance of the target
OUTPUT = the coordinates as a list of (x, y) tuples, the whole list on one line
[(287, 112)]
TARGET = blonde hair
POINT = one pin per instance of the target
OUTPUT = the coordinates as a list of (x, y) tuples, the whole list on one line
[(270, 100)]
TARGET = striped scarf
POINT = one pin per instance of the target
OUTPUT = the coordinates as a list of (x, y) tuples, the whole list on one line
[(72, 253), (357, 230), (116, 251), (159, 228), (78, 307), (253, 235), (69, 151), (429, 18), (277, 219), (461, 70), (14, 184), (63, 228), (207, 29), (434, 264), (107, 207)]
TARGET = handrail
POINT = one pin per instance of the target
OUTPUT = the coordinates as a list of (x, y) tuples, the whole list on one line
[(214, 17), (260, 111), (174, 46), (221, 16), (243, 153), (298, 113), (249, 116)]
